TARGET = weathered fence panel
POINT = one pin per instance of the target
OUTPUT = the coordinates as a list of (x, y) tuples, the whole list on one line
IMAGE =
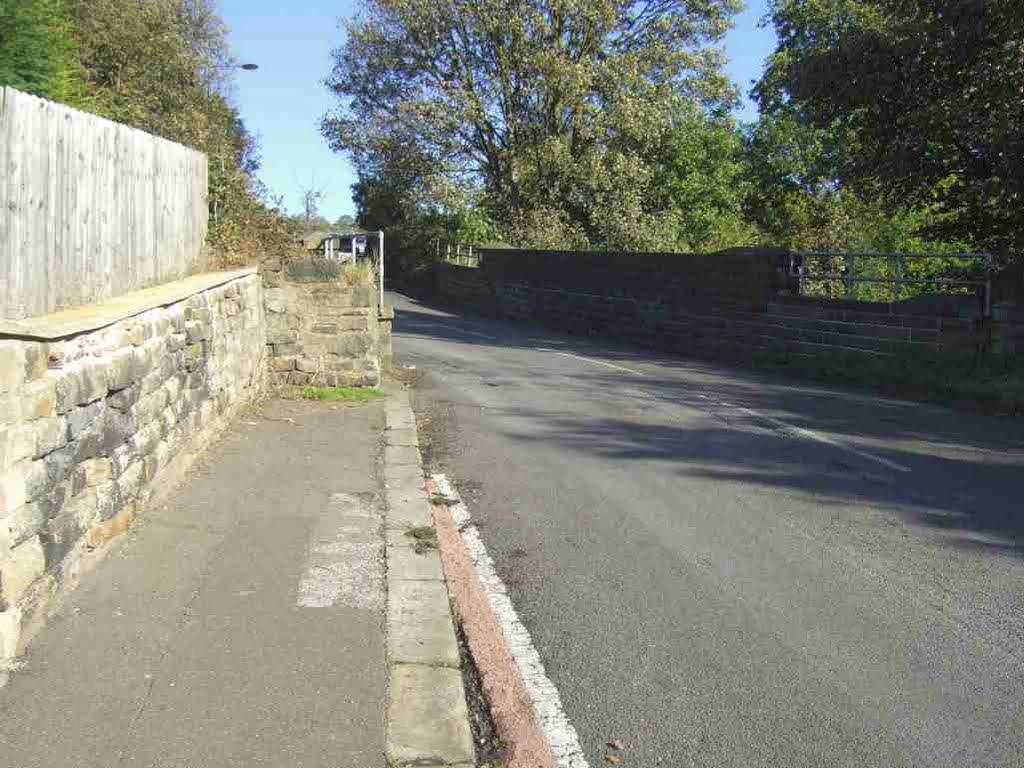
[(91, 209)]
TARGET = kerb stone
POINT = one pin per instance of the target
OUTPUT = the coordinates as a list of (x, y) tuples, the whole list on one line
[(420, 629), (428, 722)]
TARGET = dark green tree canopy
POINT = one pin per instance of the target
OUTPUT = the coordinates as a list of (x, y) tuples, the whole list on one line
[(932, 92)]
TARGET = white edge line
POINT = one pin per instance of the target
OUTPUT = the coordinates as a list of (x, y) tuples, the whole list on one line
[(817, 436), (595, 362), (547, 704)]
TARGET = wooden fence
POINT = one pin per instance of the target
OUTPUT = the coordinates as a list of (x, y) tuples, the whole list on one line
[(91, 209)]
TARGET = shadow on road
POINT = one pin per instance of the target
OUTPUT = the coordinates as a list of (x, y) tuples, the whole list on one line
[(966, 473)]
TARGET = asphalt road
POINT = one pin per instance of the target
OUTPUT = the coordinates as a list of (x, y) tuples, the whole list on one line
[(720, 568)]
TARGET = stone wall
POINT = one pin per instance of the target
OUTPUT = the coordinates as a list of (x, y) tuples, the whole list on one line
[(100, 408), (726, 305), (323, 325)]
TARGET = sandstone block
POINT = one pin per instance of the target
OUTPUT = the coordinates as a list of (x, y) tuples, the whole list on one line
[(108, 500), (107, 528), (50, 434), (126, 398), (287, 349), (98, 471), (149, 408), (193, 355), (25, 564), (80, 419), (17, 442), (66, 389), (282, 364), (93, 380), (352, 344), (297, 378), (282, 337), (307, 365), (12, 365), (39, 399), (130, 483), (25, 523), (198, 332), (122, 370), (139, 333), (10, 409), (13, 490), (10, 632)]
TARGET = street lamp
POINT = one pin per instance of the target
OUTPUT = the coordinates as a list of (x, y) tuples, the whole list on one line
[(247, 67)]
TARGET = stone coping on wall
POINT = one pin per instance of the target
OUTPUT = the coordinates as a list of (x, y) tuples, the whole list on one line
[(72, 322)]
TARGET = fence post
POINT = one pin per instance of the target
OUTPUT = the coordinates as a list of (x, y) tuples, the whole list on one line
[(898, 284), (380, 272)]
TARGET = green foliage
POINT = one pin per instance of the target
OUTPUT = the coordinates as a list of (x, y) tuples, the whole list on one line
[(161, 66), (930, 92), (547, 114), (37, 49), (346, 394)]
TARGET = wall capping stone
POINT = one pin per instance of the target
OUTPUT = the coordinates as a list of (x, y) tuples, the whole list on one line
[(79, 320)]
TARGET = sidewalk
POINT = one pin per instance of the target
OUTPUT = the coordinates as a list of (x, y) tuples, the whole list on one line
[(242, 624)]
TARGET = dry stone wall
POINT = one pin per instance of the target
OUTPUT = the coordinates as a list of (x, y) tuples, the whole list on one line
[(93, 423), (322, 329), (728, 305)]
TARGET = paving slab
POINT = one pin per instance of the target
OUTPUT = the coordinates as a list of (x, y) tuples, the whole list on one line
[(405, 512), (406, 436), (406, 564), (188, 646), (398, 455)]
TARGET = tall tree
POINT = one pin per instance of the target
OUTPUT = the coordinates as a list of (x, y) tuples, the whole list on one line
[(37, 49), (930, 90), (547, 112)]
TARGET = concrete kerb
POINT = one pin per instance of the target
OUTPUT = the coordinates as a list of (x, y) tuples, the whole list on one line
[(428, 720)]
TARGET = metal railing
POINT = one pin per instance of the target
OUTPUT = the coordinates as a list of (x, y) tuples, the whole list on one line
[(332, 250), (893, 276), (460, 255)]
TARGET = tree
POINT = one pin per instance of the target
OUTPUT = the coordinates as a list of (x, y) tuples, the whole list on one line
[(929, 90), (544, 113), (163, 66), (37, 49)]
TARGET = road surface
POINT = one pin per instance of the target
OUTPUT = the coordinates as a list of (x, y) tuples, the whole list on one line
[(721, 568)]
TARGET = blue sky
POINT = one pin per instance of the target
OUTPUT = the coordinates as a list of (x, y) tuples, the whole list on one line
[(283, 101)]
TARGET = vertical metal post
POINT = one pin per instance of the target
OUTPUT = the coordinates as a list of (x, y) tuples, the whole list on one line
[(850, 266), (380, 271), (448, 257), (898, 285), (988, 286), (352, 242)]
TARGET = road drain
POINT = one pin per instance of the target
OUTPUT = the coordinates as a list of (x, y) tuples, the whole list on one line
[(489, 748)]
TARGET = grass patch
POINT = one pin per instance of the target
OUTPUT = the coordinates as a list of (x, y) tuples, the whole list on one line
[(424, 538), (993, 383), (347, 394)]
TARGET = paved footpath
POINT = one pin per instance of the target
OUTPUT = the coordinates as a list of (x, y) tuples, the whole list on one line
[(241, 624)]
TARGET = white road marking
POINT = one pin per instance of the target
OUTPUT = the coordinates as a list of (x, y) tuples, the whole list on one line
[(345, 564), (808, 434), (591, 360), (547, 704), (475, 333)]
